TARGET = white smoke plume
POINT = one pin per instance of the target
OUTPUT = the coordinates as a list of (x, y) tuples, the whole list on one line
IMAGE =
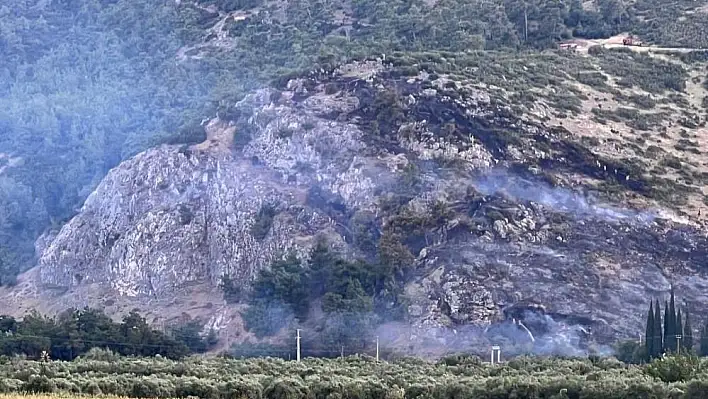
[(560, 199), (545, 336)]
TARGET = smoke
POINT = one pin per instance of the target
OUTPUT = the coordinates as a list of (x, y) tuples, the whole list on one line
[(559, 198), (560, 339), (535, 334)]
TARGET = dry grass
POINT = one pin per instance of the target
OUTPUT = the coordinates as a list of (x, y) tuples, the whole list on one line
[(668, 147)]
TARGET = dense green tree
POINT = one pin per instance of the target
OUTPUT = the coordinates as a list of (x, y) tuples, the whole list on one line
[(265, 317), (74, 332), (232, 289), (344, 294), (688, 335), (658, 345), (631, 352), (679, 331), (703, 349), (286, 281), (669, 328), (189, 334), (649, 332), (613, 11), (353, 299)]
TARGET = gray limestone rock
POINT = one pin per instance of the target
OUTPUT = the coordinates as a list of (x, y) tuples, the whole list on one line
[(311, 157), (170, 216)]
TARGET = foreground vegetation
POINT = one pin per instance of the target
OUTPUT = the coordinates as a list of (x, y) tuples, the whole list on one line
[(103, 373)]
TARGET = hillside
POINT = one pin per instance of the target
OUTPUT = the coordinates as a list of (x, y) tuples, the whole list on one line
[(461, 169)]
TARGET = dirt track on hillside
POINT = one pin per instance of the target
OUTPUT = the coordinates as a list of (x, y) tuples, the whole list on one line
[(616, 41)]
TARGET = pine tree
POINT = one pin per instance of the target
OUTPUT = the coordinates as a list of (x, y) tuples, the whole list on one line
[(678, 331), (669, 339), (688, 335), (658, 345), (649, 334)]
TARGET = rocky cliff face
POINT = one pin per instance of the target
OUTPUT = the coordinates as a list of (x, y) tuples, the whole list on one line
[(177, 215), (422, 155)]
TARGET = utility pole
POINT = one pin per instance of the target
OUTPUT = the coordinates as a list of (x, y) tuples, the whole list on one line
[(377, 348), (298, 345), (342, 353), (496, 349), (678, 344)]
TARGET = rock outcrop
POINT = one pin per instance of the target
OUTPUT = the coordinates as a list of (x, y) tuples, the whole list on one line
[(175, 215), (287, 164)]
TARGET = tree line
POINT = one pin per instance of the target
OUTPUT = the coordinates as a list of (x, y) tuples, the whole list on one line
[(75, 332), (671, 334)]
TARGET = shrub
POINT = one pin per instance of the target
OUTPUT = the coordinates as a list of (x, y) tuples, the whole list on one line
[(674, 368), (630, 352), (285, 388), (101, 354), (233, 291), (696, 389), (264, 221), (92, 389), (8, 385), (39, 384)]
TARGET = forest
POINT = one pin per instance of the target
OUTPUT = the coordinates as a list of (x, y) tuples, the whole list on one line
[(75, 332), (87, 84)]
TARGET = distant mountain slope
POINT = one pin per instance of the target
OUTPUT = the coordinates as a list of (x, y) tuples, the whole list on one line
[(87, 84), (103, 106), (500, 215)]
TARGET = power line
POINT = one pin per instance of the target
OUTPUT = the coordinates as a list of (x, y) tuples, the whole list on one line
[(96, 342), (246, 350)]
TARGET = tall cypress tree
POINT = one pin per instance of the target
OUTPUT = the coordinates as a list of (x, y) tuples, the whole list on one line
[(669, 340), (673, 325), (658, 345), (649, 333), (703, 351), (688, 335), (679, 331)]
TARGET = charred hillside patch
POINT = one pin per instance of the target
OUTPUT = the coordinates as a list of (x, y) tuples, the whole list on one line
[(572, 157), (449, 115)]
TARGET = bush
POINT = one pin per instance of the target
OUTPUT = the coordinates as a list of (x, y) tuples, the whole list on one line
[(39, 384), (264, 221), (265, 319), (631, 352), (232, 289), (674, 368), (285, 388), (101, 354)]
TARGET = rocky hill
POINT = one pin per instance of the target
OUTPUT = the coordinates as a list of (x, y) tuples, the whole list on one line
[(505, 205), (475, 181)]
